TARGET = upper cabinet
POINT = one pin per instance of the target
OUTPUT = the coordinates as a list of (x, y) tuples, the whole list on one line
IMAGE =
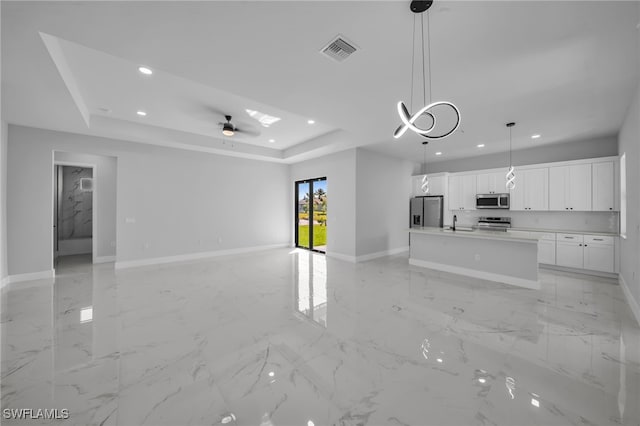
[(437, 185), (491, 183), (462, 192), (570, 187), (580, 185), (531, 190), (603, 188)]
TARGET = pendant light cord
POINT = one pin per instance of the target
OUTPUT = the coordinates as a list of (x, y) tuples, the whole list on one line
[(424, 82), (510, 162), (429, 52), (424, 164), (413, 57)]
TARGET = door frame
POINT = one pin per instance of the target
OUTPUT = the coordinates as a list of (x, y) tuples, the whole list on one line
[(94, 205), (295, 190)]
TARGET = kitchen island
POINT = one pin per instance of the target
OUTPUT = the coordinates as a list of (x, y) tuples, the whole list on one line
[(490, 255)]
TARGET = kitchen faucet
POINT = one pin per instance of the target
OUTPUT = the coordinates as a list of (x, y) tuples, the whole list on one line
[(455, 219)]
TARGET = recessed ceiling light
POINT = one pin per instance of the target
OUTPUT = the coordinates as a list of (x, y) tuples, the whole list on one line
[(271, 373), (272, 140), (438, 153), (141, 113), (535, 136), (145, 70), (481, 145), (311, 121), (482, 380)]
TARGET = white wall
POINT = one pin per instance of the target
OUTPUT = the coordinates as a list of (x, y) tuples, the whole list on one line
[(575, 150), (383, 190), (629, 139), (340, 171), (182, 202), (106, 181), (3, 202)]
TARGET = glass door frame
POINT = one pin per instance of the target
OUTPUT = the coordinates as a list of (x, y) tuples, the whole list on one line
[(311, 210)]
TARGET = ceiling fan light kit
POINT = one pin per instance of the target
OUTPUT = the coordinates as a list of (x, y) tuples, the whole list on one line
[(408, 120)]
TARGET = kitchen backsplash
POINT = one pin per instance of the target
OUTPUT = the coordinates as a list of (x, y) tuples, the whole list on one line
[(574, 221)]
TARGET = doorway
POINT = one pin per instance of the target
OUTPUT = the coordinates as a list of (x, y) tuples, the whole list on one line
[(74, 221), (311, 214)]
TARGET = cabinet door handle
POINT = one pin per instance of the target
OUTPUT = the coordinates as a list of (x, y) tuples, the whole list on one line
[(610, 208), (585, 245), (580, 245), (598, 239), (570, 208), (568, 238)]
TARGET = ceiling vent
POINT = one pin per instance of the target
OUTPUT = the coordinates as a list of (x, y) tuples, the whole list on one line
[(338, 49)]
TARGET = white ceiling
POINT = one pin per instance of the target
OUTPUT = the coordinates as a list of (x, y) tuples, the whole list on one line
[(565, 70)]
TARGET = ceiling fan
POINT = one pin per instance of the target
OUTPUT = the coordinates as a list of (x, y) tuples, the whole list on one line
[(228, 129)]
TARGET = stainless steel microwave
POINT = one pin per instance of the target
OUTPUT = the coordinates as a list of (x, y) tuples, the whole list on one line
[(492, 201)]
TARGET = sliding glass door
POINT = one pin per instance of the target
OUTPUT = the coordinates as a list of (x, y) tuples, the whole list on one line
[(311, 214)]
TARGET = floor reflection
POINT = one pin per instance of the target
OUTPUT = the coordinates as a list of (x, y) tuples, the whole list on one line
[(311, 286), (73, 312)]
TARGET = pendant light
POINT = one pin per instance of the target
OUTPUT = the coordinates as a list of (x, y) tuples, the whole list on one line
[(424, 186), (408, 120), (511, 174)]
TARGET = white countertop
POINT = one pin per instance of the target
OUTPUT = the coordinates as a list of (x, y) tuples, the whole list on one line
[(487, 235), (565, 231)]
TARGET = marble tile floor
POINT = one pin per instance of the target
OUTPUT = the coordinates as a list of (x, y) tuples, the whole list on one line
[(287, 337)]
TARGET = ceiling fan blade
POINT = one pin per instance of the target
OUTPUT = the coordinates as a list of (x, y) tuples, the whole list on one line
[(248, 132)]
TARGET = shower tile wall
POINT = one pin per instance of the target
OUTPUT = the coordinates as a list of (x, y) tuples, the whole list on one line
[(76, 205)]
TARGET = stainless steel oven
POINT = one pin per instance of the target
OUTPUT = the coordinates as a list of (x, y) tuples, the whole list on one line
[(492, 201)]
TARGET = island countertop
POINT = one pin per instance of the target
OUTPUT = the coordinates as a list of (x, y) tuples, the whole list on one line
[(465, 232), (488, 255)]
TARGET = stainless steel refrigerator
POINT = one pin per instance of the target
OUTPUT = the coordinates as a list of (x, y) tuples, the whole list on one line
[(427, 211)]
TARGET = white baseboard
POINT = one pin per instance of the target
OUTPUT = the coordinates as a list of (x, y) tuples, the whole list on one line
[(579, 271), (104, 259), (4, 281), (490, 276), (633, 304), (391, 252), (31, 276), (193, 256), (340, 256)]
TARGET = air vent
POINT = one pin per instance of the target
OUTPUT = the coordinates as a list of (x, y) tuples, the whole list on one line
[(338, 49)]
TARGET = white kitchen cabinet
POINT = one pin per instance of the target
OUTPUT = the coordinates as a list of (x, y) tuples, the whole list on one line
[(462, 192), (547, 252), (569, 250), (491, 183), (603, 187), (570, 187), (598, 253), (531, 190), (546, 247), (536, 189), (569, 254)]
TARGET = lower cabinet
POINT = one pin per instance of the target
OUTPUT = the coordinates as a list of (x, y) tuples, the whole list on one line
[(599, 253), (569, 254), (547, 252), (592, 252)]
